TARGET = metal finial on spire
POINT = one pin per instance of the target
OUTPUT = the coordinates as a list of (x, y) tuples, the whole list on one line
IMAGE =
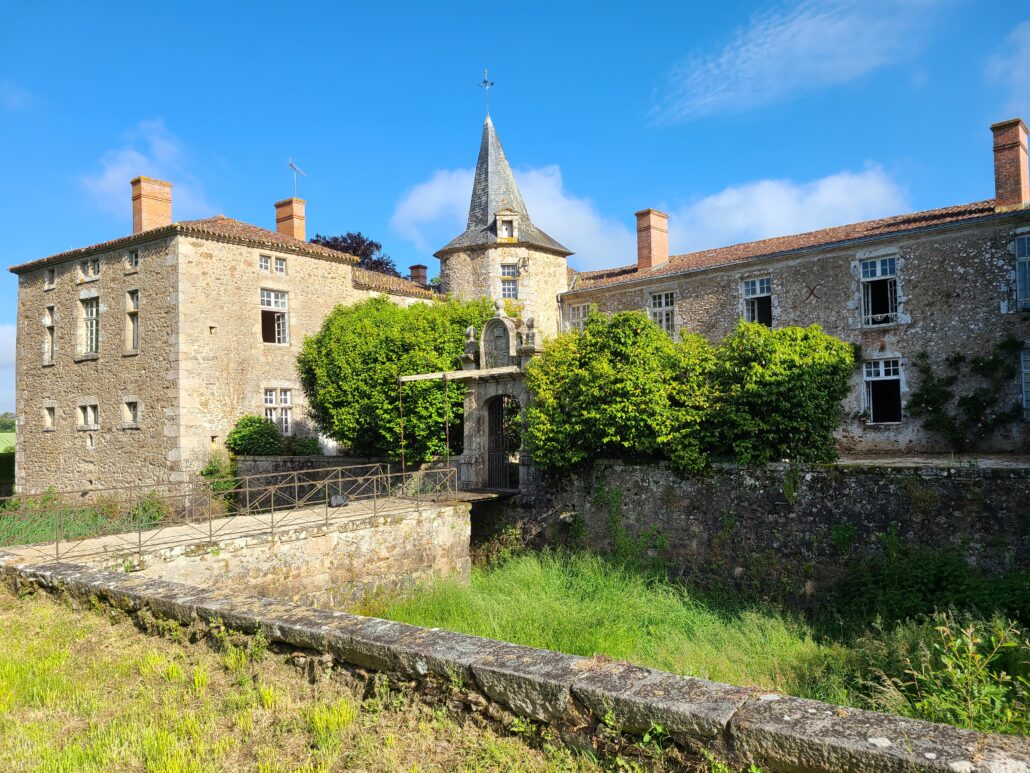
[(296, 171), (485, 85)]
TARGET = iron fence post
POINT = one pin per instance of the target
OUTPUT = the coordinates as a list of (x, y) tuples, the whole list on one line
[(57, 536)]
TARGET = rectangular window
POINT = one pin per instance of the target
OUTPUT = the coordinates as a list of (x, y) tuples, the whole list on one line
[(269, 397), (274, 320), (510, 269), (883, 391), (270, 414), (1023, 272), (758, 301), (279, 410), (49, 417), (89, 269), (133, 260), (49, 335), (264, 262), (90, 325), (507, 229), (285, 397), (578, 315), (509, 288), (879, 292), (286, 421), (663, 311), (130, 414), (50, 278), (280, 265), (89, 416), (1026, 383), (132, 320)]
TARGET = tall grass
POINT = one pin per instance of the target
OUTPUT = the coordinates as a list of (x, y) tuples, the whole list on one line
[(582, 604)]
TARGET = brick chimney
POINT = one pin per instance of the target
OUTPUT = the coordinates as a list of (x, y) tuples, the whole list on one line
[(151, 204), (289, 217), (1011, 178), (652, 239), (418, 274)]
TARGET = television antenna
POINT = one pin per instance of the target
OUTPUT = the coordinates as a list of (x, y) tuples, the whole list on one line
[(296, 171), (485, 85)]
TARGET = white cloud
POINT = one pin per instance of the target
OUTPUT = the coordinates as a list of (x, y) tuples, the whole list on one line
[(6, 368), (433, 212), (152, 150), (1010, 68), (791, 49), (765, 208), (14, 97)]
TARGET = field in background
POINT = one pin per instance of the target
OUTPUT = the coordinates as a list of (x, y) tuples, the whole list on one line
[(80, 693), (6, 439)]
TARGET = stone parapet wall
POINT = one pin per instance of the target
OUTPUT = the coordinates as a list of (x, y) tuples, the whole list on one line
[(796, 527), (573, 695)]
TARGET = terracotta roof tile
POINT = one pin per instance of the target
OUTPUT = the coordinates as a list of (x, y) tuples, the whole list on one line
[(219, 227), (374, 280), (827, 237)]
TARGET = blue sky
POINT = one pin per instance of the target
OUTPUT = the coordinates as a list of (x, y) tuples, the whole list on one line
[(742, 120)]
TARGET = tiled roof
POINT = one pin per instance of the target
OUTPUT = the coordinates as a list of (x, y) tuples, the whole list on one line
[(827, 237), (374, 280), (219, 228)]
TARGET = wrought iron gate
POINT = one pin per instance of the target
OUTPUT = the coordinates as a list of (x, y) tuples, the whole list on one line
[(503, 417)]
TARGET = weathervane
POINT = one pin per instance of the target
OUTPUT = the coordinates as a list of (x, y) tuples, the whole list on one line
[(485, 86), (296, 171)]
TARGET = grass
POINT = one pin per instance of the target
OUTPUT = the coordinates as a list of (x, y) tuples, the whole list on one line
[(969, 670), (80, 693), (6, 439), (583, 605)]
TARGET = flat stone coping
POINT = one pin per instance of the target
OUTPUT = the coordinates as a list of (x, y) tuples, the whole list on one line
[(777, 732)]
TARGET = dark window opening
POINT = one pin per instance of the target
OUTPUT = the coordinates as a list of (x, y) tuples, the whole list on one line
[(760, 310), (273, 327), (880, 298), (884, 400)]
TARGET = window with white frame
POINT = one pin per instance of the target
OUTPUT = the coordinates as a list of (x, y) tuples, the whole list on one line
[(509, 280), (663, 311), (578, 315), (89, 270), (879, 291), (265, 262), (90, 325), (132, 320), (279, 409), (49, 335), (274, 319), (280, 265), (89, 416), (1023, 272), (1025, 356), (758, 301), (883, 391)]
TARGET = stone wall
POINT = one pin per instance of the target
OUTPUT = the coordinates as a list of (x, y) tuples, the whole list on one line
[(267, 465), (589, 703), (956, 293), (67, 456), (797, 528)]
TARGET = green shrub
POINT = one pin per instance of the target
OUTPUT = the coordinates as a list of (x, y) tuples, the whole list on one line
[(780, 393), (149, 511), (620, 388), (254, 436), (220, 473), (303, 446), (349, 371)]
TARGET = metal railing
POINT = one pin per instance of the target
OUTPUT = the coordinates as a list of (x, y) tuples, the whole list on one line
[(116, 522)]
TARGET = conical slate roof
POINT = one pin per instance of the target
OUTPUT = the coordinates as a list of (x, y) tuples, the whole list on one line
[(495, 189)]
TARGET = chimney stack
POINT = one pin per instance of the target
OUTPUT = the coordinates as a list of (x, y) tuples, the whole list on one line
[(418, 274), (652, 239), (1011, 177), (289, 217), (151, 204)]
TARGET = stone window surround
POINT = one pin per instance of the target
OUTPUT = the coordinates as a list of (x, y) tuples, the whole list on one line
[(284, 310), (49, 278), (1018, 233), (743, 297), (49, 405), (889, 354), (50, 333), (578, 313), (132, 316), (80, 335), (127, 424), (91, 274), (857, 303), (648, 298), (87, 402), (132, 260)]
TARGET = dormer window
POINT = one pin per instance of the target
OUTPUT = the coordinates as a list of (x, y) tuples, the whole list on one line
[(507, 225), (507, 229)]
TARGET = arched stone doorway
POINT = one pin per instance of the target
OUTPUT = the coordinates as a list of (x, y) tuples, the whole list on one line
[(504, 441)]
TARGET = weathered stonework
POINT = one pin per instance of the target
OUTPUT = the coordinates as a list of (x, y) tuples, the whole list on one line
[(956, 293)]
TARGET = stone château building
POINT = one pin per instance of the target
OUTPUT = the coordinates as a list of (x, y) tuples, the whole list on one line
[(135, 356)]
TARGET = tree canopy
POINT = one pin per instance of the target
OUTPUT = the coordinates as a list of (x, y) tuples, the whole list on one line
[(349, 372), (7, 422), (369, 252)]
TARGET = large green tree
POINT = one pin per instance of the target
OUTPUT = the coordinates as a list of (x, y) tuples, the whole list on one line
[(349, 372)]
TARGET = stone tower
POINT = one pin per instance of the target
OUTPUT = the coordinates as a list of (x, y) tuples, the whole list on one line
[(501, 254)]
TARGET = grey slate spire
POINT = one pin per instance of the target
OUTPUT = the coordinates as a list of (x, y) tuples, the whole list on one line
[(495, 189)]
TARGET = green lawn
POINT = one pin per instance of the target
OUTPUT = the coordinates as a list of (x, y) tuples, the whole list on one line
[(6, 439), (79, 693)]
